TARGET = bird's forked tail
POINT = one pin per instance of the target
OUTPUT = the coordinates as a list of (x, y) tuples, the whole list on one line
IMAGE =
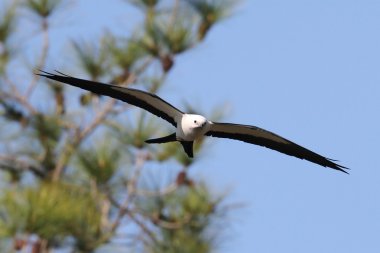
[(169, 138), (187, 145)]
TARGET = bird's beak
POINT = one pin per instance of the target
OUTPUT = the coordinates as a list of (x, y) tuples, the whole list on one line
[(201, 126)]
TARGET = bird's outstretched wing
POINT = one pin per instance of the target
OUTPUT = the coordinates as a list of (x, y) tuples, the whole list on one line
[(259, 136), (142, 99)]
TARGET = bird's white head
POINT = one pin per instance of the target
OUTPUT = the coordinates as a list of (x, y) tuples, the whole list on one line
[(195, 121), (192, 126)]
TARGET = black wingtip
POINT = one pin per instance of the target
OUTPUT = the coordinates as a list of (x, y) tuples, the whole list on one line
[(41, 72), (332, 163), (44, 73), (63, 74), (343, 170), (339, 167)]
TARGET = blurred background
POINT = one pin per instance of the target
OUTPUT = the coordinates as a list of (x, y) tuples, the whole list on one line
[(76, 175)]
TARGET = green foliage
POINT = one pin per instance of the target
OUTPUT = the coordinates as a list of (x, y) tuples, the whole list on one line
[(7, 23), (165, 38), (179, 37), (59, 96), (151, 41), (13, 113), (47, 129), (53, 212), (183, 219), (145, 4), (100, 162), (41, 194), (135, 135), (211, 12), (42, 8), (4, 58), (92, 59), (125, 54)]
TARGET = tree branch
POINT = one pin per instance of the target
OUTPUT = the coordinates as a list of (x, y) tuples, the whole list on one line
[(131, 189), (10, 162), (74, 142), (164, 191), (17, 96)]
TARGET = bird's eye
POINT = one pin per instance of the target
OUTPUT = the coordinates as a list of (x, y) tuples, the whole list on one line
[(195, 121)]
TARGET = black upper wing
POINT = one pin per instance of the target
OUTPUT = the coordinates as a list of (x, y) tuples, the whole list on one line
[(142, 99), (259, 136)]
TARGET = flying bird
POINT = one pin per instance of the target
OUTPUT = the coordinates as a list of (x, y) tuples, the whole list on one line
[(190, 127)]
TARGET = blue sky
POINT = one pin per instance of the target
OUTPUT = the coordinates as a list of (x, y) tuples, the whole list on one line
[(307, 70)]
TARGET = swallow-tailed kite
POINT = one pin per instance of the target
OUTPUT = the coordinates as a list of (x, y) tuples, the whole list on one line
[(190, 126)]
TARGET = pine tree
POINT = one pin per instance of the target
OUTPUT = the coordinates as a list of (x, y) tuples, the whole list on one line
[(75, 172)]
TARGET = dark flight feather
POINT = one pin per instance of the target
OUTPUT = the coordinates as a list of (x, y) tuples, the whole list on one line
[(259, 136), (142, 99)]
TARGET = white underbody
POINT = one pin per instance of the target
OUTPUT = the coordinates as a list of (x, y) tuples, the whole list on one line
[(191, 127)]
